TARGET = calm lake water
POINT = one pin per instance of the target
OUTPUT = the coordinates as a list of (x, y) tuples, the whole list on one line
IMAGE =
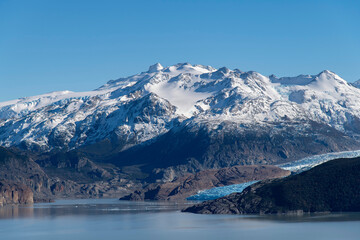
[(113, 219)]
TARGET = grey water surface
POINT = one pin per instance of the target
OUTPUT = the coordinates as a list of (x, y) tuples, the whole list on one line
[(113, 219)]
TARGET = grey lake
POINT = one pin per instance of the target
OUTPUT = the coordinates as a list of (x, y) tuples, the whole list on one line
[(114, 219)]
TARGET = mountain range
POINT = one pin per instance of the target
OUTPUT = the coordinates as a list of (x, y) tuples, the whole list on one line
[(168, 121)]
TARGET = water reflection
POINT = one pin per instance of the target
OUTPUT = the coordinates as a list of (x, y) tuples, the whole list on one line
[(16, 212), (88, 207)]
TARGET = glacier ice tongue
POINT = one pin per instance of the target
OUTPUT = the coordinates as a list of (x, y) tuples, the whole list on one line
[(312, 161), (218, 192)]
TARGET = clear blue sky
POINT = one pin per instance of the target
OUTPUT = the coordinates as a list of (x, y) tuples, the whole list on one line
[(48, 45)]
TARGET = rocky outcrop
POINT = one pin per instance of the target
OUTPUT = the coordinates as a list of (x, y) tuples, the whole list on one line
[(20, 168), (331, 187), (15, 193), (62, 176), (186, 186)]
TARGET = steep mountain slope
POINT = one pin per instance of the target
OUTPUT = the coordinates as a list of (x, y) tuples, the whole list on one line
[(185, 118), (332, 186), (190, 148)]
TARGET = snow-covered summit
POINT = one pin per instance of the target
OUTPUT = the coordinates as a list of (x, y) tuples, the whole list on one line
[(155, 68), (143, 106)]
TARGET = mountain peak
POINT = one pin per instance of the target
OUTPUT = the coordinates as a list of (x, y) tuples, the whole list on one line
[(329, 75), (155, 68), (224, 70), (326, 72)]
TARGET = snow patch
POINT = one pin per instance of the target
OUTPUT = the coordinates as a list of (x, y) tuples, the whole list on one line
[(184, 99)]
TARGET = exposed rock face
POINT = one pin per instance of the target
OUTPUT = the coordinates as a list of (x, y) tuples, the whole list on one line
[(15, 193), (62, 176), (190, 185), (15, 167), (331, 187)]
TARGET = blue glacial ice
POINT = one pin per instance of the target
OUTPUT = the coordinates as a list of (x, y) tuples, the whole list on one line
[(217, 192), (296, 166)]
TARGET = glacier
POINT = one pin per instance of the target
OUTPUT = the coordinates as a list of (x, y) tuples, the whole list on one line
[(312, 161), (217, 192), (295, 167)]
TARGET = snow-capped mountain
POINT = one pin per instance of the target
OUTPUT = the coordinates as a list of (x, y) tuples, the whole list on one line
[(142, 107)]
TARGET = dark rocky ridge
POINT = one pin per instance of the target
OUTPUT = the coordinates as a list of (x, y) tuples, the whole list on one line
[(190, 149), (330, 187), (184, 187)]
